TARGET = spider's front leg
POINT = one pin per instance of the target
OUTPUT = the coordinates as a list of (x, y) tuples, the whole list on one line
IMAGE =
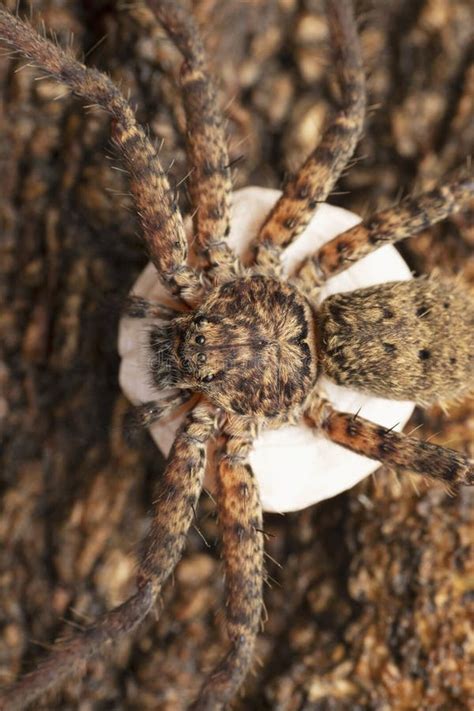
[(397, 450), (173, 513), (155, 203), (240, 519)]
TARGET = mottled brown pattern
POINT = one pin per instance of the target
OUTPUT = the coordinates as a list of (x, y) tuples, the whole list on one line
[(318, 174), (276, 320), (210, 182), (176, 499), (243, 360), (399, 451), (403, 340), (156, 207), (389, 226), (240, 522)]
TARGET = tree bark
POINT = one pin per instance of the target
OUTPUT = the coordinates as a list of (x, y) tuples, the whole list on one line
[(373, 605)]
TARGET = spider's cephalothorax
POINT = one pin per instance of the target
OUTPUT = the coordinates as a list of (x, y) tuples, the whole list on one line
[(250, 347), (247, 345)]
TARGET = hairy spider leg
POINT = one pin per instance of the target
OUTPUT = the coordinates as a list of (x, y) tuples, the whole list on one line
[(70, 656), (318, 174), (156, 206), (399, 451), (177, 498), (210, 184), (411, 216), (240, 519), (174, 506)]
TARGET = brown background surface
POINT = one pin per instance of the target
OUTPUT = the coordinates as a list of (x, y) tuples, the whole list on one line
[(373, 604)]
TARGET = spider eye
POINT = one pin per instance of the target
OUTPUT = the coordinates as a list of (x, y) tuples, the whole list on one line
[(207, 378), (201, 357), (200, 340)]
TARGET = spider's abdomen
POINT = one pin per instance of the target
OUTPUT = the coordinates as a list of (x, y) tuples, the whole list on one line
[(250, 347), (409, 340)]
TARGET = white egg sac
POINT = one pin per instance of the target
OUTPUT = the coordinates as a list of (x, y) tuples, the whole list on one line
[(295, 466)]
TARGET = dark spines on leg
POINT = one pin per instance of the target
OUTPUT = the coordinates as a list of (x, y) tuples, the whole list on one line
[(162, 225), (353, 427), (403, 453), (210, 170), (317, 176), (394, 224), (210, 182), (240, 520)]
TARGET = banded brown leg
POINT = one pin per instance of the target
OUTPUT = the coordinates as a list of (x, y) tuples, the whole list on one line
[(319, 173), (403, 453), (210, 183), (156, 206), (240, 518), (173, 513), (387, 227)]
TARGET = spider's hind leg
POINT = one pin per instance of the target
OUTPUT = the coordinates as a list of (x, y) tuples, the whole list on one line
[(240, 518), (399, 451), (387, 227)]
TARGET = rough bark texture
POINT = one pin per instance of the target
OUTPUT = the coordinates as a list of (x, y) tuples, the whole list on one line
[(373, 605)]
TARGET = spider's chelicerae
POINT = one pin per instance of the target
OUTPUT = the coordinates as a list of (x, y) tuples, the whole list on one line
[(247, 347)]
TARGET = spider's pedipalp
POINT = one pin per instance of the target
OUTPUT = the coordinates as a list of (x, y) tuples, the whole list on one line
[(148, 413), (387, 227), (403, 453), (240, 520), (210, 182), (160, 219), (138, 307), (174, 506), (317, 176)]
